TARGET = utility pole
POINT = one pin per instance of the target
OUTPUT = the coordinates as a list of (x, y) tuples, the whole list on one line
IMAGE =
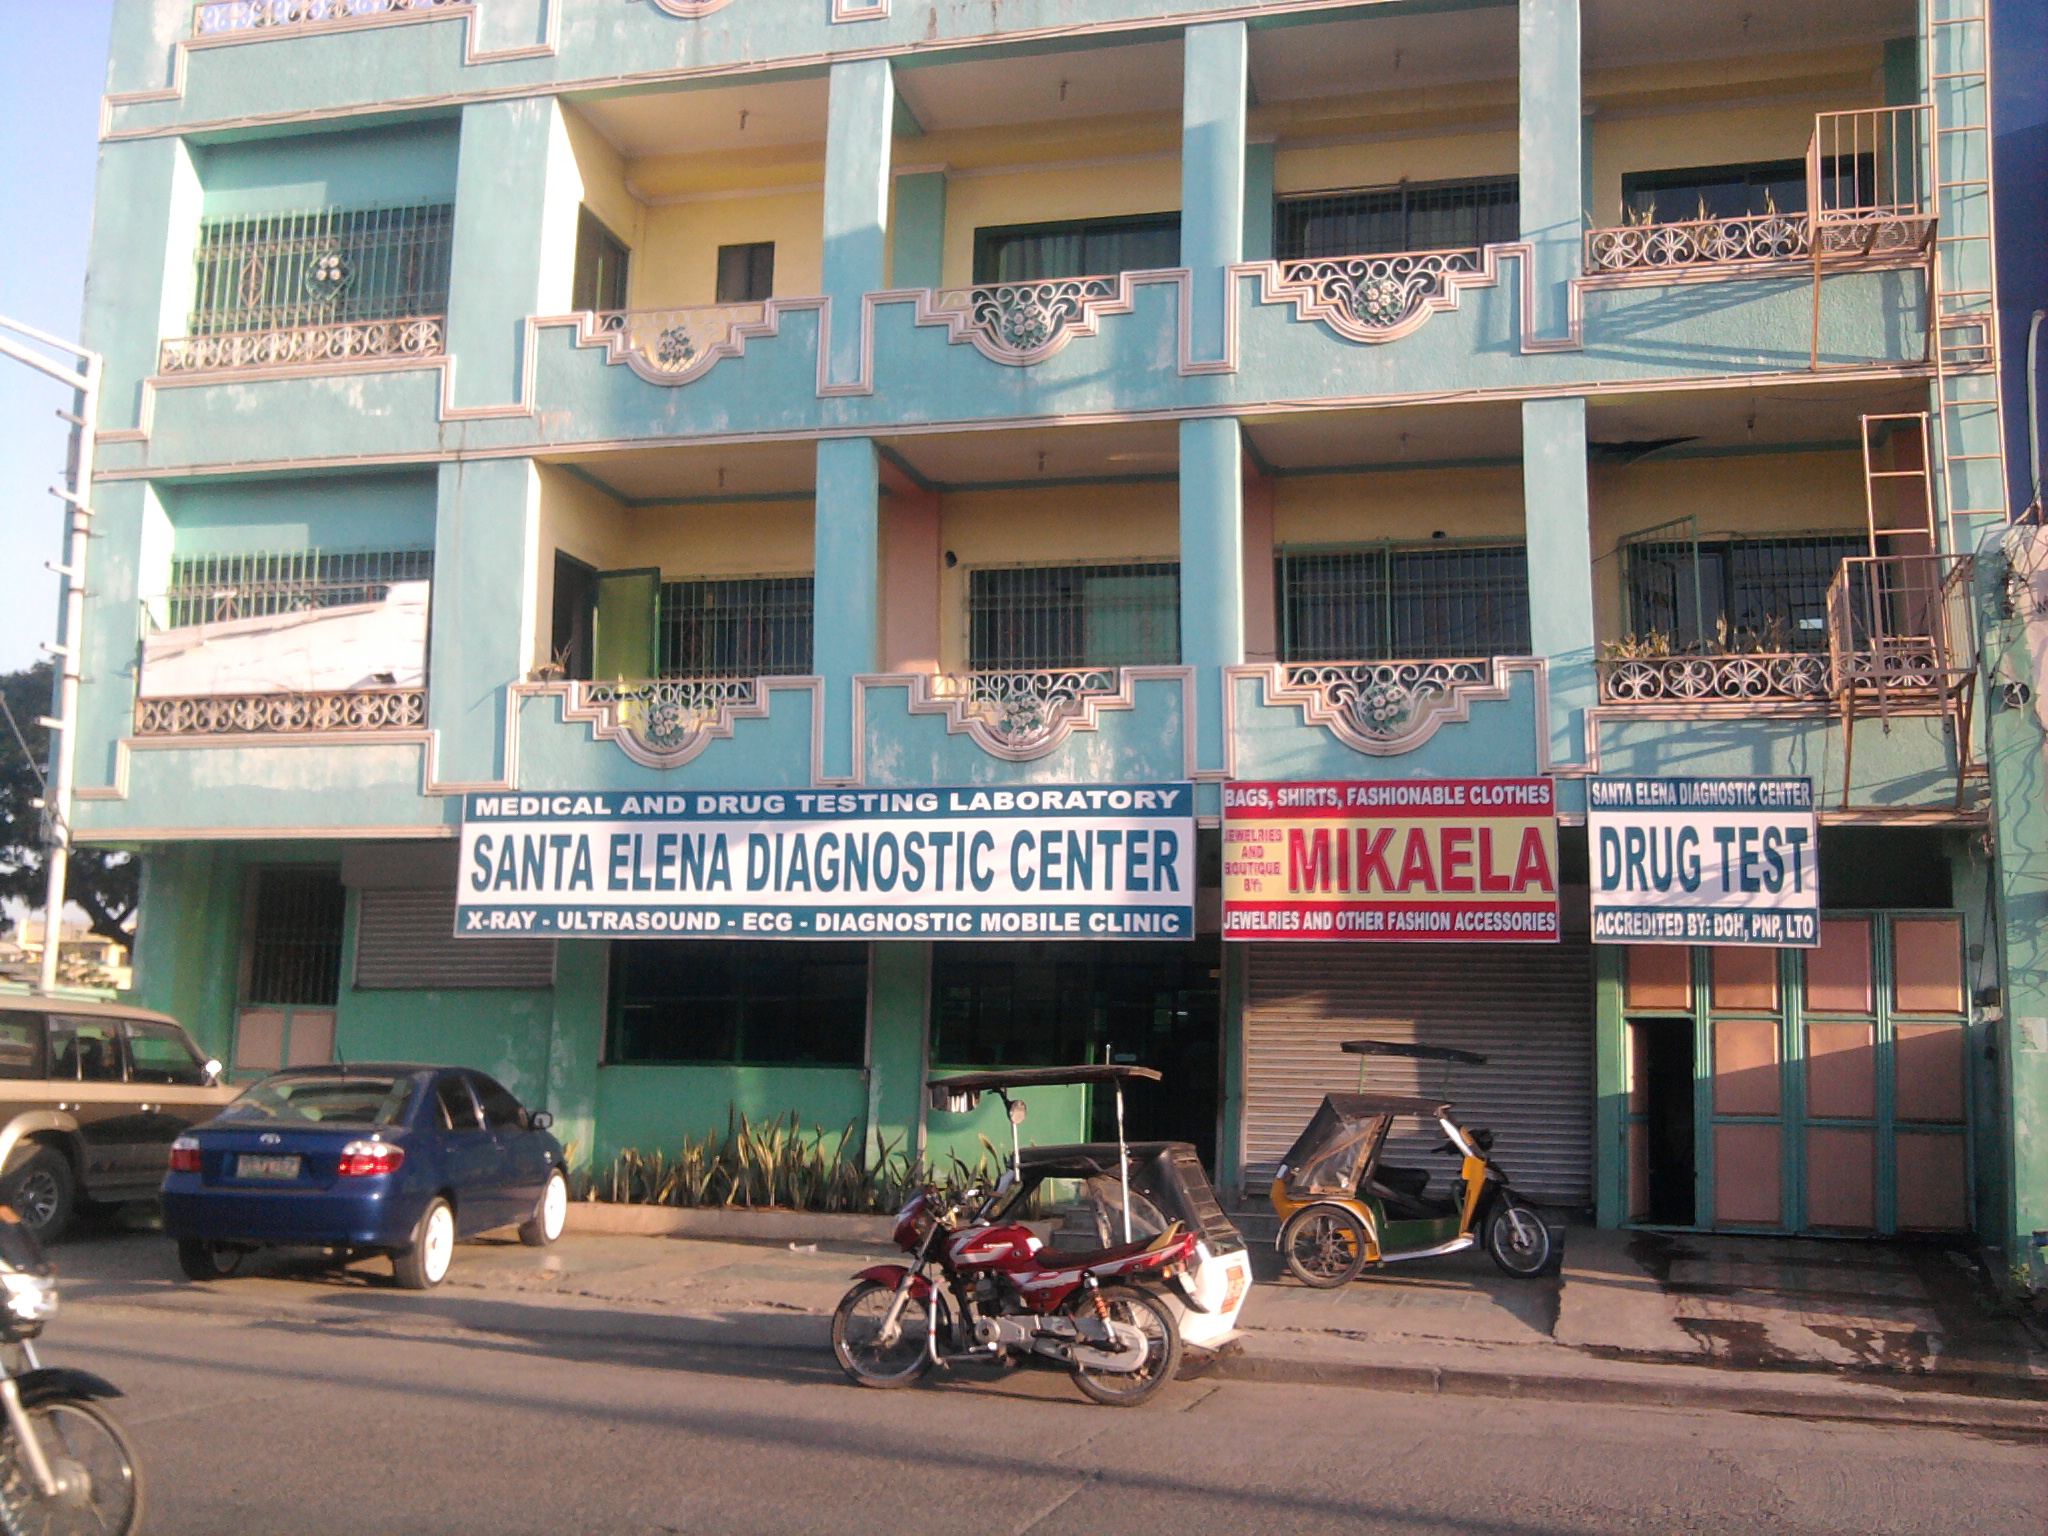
[(76, 494)]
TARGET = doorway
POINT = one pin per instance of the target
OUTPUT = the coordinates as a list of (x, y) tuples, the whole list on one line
[(1663, 1162)]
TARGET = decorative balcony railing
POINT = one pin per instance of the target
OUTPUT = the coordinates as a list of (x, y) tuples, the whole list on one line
[(1376, 298), (341, 341), (674, 346), (272, 714), (1751, 677), (1024, 714), (663, 723), (1380, 706), (219, 16), (1845, 233), (1022, 323)]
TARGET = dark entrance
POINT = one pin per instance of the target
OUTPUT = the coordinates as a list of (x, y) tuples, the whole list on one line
[(1043, 1005), (1661, 1114)]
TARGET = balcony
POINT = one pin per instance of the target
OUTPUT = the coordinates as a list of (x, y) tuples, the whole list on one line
[(219, 18), (674, 346)]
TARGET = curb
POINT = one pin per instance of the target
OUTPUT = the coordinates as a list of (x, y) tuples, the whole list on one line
[(1857, 1402), (602, 1218)]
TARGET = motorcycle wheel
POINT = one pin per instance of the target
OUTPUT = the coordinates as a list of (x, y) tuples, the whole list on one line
[(1324, 1246), (856, 1342), (1519, 1241), (99, 1489), (1149, 1315)]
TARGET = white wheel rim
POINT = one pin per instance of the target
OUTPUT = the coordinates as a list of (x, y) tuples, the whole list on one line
[(554, 1207), (440, 1243)]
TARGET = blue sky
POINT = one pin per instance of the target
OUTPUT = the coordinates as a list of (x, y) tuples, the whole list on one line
[(52, 71)]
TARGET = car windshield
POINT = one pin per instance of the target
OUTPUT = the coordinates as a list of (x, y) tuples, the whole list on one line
[(325, 1100)]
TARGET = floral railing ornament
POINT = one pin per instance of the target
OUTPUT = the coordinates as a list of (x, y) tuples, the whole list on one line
[(1023, 323), (1847, 234), (1378, 298), (341, 341), (284, 714), (674, 346), (218, 16), (1750, 678), (1024, 712), (664, 723), (1384, 708)]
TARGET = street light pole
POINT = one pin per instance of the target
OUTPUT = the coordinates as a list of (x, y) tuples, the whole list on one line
[(84, 379)]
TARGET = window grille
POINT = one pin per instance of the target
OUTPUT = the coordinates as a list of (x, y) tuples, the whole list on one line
[(276, 271), (1745, 191), (209, 589), (295, 922), (1394, 603), (749, 626), (739, 1002), (1766, 594), (1410, 216), (1029, 253), (1074, 616)]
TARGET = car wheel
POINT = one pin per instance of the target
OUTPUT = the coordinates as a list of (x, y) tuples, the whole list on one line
[(203, 1259), (424, 1264), (550, 1216), (44, 1193)]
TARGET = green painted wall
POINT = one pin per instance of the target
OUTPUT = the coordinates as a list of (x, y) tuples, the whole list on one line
[(899, 990), (360, 168), (917, 241), (654, 1108), (339, 512), (1215, 75), (485, 544), (1053, 1116)]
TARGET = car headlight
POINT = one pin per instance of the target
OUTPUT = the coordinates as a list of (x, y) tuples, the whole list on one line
[(30, 1298)]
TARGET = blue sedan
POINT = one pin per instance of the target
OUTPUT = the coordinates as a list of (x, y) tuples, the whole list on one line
[(366, 1158)]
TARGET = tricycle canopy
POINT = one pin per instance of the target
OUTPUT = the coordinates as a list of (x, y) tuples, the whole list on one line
[(1342, 1141), (1167, 1184), (959, 1094)]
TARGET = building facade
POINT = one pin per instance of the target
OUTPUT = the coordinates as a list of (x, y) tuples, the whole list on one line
[(587, 397)]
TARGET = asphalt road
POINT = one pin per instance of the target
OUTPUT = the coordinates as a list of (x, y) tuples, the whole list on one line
[(287, 1419)]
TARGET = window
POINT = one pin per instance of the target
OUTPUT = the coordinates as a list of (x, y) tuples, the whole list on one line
[(569, 642), (326, 1100), (502, 1112), (739, 1003), (1737, 191), (600, 278), (294, 953), (1024, 253), (211, 589), (21, 1045), (1411, 216), (751, 626), (158, 1053), (274, 271), (1049, 1004), (1074, 616), (456, 1104), (84, 1050), (1768, 594), (1393, 603), (746, 273)]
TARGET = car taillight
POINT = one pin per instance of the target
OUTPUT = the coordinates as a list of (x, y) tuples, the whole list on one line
[(361, 1159), (184, 1155)]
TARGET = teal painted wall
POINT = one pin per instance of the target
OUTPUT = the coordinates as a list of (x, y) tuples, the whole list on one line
[(1553, 166), (917, 241), (899, 991), (859, 135), (653, 1108), (485, 543), (1215, 81), (327, 512), (346, 168), (1558, 517)]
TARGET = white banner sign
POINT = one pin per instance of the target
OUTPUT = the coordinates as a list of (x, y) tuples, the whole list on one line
[(1704, 861)]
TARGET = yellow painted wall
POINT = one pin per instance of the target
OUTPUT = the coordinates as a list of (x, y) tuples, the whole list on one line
[(581, 521), (1441, 157), (677, 265), (602, 170), (1062, 525), (1398, 504), (1764, 494), (976, 201)]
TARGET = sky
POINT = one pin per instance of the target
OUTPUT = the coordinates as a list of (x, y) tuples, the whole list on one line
[(53, 60)]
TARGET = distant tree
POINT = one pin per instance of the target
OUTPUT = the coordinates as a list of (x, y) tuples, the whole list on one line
[(101, 883)]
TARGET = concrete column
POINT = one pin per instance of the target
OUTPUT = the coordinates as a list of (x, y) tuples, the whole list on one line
[(576, 1043), (860, 122), (848, 545), (486, 542), (1258, 201), (1211, 569), (1212, 171), (910, 574), (516, 194), (1558, 522), (1552, 168), (1261, 626), (918, 239), (899, 986), (187, 937)]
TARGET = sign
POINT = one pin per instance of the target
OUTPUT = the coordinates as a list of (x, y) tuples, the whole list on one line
[(1052, 861), (1450, 860), (1704, 861)]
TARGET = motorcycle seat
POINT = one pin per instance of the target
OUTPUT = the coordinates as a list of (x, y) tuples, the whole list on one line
[(1406, 1181), (1058, 1259)]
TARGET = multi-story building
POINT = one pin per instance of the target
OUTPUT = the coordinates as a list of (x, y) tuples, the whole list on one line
[(609, 396)]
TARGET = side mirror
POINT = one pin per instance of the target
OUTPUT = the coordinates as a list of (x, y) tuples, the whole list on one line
[(539, 1120), (214, 1071)]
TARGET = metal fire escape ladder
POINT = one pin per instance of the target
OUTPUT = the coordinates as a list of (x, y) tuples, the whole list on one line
[(1963, 341)]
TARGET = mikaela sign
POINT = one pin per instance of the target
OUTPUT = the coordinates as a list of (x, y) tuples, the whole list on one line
[(1051, 861), (1455, 860), (1704, 861)]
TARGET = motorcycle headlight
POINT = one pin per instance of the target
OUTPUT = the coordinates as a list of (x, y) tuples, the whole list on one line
[(30, 1298)]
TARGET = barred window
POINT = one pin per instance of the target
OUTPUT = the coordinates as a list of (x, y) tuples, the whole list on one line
[(1736, 191), (211, 589), (739, 1002), (748, 626), (1390, 603), (274, 271), (1769, 594), (1024, 253), (1074, 616), (294, 944), (1410, 216)]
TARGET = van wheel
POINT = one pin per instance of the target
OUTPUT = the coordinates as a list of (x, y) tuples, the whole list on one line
[(44, 1193)]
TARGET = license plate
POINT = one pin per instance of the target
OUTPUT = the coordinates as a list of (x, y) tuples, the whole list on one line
[(250, 1166)]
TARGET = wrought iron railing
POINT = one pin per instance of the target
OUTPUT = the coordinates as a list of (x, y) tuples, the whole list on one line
[(212, 589), (1024, 710), (343, 341), (1383, 701), (1752, 677), (1024, 321), (219, 16), (270, 714), (669, 716), (1379, 293), (673, 345)]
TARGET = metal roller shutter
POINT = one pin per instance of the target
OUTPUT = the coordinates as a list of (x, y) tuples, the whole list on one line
[(1527, 1008), (405, 938)]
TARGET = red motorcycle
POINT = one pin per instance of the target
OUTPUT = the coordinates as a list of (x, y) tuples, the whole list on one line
[(983, 1286)]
